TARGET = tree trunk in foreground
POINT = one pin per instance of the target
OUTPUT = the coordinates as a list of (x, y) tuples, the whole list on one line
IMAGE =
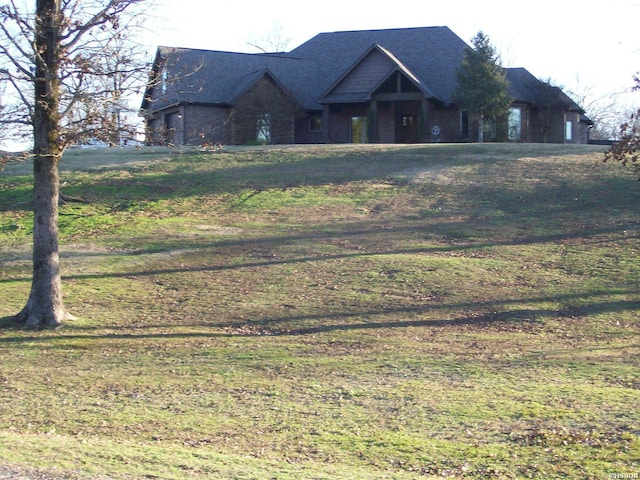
[(44, 307)]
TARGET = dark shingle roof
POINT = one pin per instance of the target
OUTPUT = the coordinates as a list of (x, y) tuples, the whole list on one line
[(212, 77), (429, 55), (526, 88)]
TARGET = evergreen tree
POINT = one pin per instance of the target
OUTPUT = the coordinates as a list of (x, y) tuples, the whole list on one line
[(482, 88)]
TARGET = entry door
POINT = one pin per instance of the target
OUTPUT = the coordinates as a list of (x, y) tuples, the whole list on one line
[(408, 131)]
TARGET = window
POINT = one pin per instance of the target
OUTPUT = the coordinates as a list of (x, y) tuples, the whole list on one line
[(568, 131), (358, 129), (515, 124), (315, 124), (464, 123), (163, 81), (263, 128)]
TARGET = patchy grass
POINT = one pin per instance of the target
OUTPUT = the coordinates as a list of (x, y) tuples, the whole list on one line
[(461, 311)]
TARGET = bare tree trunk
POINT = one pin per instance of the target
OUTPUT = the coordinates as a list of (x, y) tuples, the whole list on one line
[(45, 307)]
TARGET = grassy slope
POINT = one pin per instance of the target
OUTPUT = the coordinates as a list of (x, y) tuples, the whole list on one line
[(330, 312)]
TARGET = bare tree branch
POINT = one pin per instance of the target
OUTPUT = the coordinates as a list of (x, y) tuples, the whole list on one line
[(91, 34), (65, 68), (626, 150)]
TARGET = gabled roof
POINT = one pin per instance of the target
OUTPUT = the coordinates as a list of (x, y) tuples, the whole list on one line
[(401, 67), (391, 65), (250, 80), (431, 54), (526, 88), (428, 56), (211, 77)]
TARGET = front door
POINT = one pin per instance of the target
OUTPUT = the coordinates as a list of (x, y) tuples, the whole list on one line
[(408, 129)]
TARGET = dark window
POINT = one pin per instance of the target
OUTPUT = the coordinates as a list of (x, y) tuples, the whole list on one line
[(315, 124)]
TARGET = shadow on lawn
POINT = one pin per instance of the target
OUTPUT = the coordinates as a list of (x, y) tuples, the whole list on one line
[(486, 314), (452, 243), (7, 323), (495, 215), (180, 180), (519, 319), (481, 314), (259, 170)]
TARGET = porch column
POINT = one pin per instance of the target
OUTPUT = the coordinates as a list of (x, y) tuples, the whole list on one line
[(373, 118), (326, 125), (181, 138), (423, 121)]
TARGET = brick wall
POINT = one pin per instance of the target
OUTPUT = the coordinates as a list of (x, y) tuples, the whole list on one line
[(264, 98), (207, 125)]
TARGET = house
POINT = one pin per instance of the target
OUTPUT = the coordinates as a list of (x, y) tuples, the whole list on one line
[(378, 86)]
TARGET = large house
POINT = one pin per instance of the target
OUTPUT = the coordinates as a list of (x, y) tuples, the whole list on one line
[(377, 86)]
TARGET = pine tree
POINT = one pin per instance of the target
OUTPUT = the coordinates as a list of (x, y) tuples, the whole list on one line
[(482, 85)]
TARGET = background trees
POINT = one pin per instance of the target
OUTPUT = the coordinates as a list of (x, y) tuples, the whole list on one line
[(273, 41), (627, 149), (482, 85), (65, 66)]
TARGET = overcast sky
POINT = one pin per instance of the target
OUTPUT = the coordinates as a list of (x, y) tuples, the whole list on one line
[(576, 44)]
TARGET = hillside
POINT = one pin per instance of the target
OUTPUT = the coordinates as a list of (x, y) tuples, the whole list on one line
[(351, 312)]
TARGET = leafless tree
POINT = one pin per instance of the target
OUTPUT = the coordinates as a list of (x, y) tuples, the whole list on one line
[(626, 150), (604, 110), (53, 65), (106, 111), (273, 42)]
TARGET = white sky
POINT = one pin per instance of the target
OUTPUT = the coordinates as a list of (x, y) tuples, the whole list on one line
[(583, 46)]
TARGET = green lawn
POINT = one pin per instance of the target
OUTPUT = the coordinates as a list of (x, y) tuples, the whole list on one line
[(329, 312)]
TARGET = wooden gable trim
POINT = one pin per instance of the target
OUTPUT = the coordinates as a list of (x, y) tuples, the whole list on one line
[(366, 75), (253, 80)]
